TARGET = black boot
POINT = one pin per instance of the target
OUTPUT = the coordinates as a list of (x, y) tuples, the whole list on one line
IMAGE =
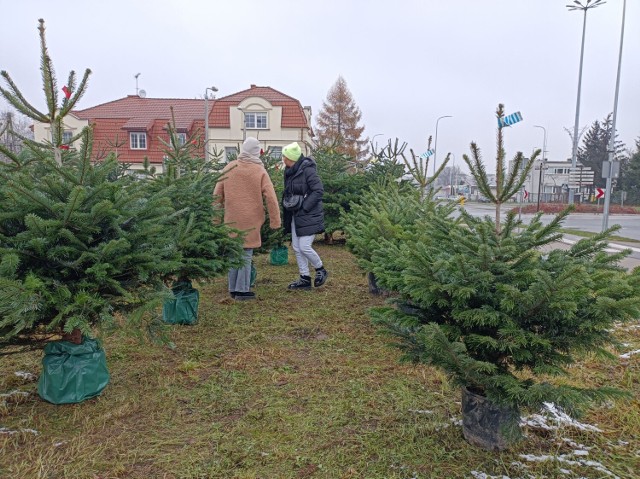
[(248, 296), (321, 276), (303, 283)]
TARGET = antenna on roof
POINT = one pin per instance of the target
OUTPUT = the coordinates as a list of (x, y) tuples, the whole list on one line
[(136, 77)]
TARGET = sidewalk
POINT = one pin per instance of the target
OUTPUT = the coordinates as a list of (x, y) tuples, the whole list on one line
[(629, 262)]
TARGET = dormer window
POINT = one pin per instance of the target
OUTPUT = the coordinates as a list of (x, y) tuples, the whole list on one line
[(137, 140), (255, 121)]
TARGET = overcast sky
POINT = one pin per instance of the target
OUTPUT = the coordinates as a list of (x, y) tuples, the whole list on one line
[(406, 62)]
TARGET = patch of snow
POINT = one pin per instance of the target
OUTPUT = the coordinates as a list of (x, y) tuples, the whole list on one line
[(556, 414), (15, 392), (456, 421), (568, 459), (25, 375), (629, 354), (575, 445), (482, 475), (4, 430)]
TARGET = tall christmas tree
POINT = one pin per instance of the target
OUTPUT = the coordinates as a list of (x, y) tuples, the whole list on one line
[(79, 242), (188, 179), (481, 300)]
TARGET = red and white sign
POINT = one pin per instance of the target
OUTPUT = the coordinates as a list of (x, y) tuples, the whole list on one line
[(526, 194), (599, 193)]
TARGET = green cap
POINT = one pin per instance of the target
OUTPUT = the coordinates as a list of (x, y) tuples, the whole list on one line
[(292, 151)]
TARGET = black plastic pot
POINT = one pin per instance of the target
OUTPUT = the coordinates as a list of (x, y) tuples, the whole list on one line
[(487, 425), (374, 289)]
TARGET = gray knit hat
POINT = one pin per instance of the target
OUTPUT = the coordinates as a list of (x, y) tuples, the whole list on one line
[(251, 146)]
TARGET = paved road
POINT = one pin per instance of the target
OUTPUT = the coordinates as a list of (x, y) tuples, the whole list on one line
[(589, 222)]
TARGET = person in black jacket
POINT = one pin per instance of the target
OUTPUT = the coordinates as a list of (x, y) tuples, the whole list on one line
[(301, 178)]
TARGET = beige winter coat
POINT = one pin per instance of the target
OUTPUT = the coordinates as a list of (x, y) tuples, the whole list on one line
[(241, 192)]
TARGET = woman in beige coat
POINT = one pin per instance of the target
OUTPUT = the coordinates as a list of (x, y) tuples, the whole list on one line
[(244, 185)]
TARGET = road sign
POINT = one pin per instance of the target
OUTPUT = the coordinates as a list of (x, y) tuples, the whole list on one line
[(581, 176), (509, 120), (599, 193)]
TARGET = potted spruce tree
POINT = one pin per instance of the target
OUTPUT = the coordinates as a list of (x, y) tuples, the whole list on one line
[(204, 243), (79, 244), (273, 241), (389, 209), (503, 318)]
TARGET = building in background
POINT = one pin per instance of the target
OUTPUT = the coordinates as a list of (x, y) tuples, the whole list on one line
[(272, 117), (134, 126)]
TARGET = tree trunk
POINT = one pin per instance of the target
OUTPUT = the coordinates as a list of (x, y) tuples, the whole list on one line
[(74, 336)]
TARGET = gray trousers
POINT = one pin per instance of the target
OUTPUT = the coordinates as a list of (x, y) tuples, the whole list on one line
[(240, 278), (304, 252)]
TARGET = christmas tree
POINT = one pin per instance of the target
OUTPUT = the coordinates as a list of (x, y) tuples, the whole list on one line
[(501, 317), (204, 243), (80, 243)]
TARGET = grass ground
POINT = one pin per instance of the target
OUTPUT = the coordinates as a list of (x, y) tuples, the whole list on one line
[(293, 385)]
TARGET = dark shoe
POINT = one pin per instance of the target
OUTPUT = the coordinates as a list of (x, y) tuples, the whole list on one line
[(321, 277), (248, 296), (303, 283), (232, 294)]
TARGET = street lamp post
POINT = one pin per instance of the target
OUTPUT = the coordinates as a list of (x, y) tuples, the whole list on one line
[(435, 145), (373, 138), (453, 165), (206, 120), (544, 152), (584, 6), (542, 168), (612, 139)]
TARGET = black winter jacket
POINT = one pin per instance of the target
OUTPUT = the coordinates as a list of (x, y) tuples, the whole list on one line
[(302, 179)]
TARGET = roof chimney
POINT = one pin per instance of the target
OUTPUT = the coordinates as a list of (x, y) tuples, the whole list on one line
[(253, 86)]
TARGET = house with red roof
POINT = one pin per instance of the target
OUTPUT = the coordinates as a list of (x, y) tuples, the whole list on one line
[(272, 117), (133, 127)]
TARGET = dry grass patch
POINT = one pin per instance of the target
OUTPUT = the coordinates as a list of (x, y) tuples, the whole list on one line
[(293, 385)]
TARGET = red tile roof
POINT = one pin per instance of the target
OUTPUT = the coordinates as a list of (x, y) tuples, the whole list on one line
[(292, 113), (114, 120), (142, 112)]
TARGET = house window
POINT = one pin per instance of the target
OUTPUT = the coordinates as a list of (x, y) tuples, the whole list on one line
[(137, 140), (256, 121), (230, 153), (66, 136), (181, 137), (275, 152)]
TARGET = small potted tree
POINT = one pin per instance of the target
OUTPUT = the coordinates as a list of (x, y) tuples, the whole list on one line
[(79, 245), (204, 243), (501, 317), (389, 209)]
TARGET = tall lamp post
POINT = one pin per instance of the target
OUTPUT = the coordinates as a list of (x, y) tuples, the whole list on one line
[(544, 159), (435, 145), (584, 6), (206, 120), (612, 139), (453, 166)]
